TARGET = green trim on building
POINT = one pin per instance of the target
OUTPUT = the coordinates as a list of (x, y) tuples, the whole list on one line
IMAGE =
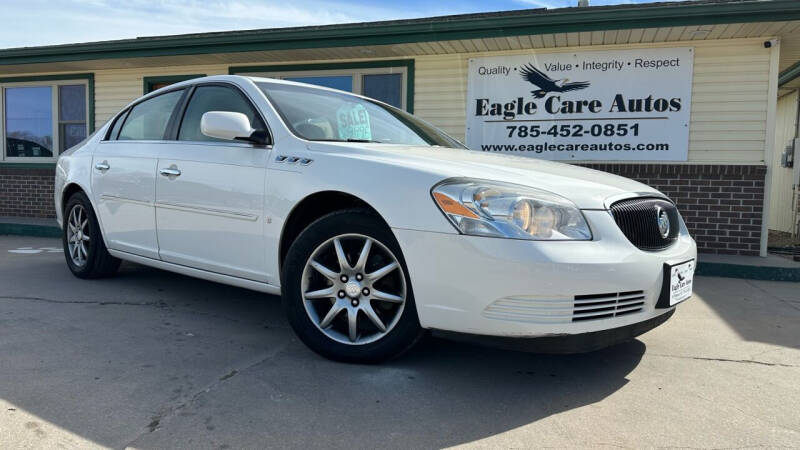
[(789, 74), (148, 82), (89, 77), (27, 165), (750, 272), (407, 63), (24, 229), (466, 26)]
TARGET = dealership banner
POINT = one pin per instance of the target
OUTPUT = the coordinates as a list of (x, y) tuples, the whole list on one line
[(593, 105)]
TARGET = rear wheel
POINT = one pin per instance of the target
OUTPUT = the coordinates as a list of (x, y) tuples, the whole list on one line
[(346, 290), (84, 249)]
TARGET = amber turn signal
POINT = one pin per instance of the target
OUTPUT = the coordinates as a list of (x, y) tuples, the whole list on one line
[(451, 206)]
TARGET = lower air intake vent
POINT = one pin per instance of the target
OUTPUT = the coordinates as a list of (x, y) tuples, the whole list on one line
[(604, 306)]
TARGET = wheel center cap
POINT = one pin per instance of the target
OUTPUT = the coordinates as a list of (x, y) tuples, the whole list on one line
[(352, 289)]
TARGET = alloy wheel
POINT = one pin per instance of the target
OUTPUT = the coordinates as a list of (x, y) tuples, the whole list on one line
[(78, 235), (353, 289)]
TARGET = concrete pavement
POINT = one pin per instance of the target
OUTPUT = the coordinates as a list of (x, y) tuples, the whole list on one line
[(150, 359)]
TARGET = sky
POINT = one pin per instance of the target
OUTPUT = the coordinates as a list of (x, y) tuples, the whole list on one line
[(44, 22)]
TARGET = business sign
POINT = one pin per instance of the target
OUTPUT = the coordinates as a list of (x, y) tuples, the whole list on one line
[(594, 105)]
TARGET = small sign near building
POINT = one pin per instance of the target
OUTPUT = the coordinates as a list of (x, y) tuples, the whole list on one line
[(595, 105)]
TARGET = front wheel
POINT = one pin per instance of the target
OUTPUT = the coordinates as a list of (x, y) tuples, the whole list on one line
[(346, 289)]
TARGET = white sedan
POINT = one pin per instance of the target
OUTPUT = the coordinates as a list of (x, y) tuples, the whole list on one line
[(373, 225)]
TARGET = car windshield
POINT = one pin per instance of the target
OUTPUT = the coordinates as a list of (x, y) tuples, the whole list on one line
[(322, 115)]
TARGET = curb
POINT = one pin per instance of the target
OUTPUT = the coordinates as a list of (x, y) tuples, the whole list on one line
[(23, 229), (703, 268), (766, 273)]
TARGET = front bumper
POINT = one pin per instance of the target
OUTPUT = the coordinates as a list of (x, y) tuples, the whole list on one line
[(566, 343), (520, 289)]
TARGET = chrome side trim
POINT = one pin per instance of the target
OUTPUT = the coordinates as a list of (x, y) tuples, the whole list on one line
[(198, 273), (207, 211), (114, 198)]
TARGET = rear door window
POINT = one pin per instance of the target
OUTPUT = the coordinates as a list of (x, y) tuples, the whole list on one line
[(148, 120)]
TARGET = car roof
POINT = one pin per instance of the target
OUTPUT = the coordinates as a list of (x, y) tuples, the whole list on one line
[(235, 78)]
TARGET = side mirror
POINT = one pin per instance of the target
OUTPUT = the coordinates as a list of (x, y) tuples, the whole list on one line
[(231, 126)]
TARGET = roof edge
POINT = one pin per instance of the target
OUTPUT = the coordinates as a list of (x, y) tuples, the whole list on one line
[(467, 26)]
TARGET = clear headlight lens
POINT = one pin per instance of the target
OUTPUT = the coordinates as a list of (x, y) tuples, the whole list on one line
[(485, 208)]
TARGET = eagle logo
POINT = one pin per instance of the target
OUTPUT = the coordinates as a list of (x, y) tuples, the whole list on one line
[(547, 84)]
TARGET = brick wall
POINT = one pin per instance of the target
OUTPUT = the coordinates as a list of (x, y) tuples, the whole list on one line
[(26, 192), (721, 204)]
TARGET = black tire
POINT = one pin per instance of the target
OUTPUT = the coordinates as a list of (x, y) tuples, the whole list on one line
[(406, 331), (98, 262)]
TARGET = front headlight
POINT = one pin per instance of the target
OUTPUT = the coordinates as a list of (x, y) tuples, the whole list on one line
[(486, 208)]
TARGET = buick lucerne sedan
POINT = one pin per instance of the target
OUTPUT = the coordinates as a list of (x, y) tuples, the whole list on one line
[(373, 225)]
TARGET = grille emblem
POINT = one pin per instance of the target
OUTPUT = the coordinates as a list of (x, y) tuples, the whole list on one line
[(663, 222)]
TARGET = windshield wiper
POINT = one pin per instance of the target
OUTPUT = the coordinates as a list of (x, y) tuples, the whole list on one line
[(347, 140), (350, 140), (362, 140)]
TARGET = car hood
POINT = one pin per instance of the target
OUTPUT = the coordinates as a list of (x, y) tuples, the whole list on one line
[(587, 188)]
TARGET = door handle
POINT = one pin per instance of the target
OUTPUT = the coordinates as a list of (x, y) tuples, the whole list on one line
[(170, 172), (102, 166)]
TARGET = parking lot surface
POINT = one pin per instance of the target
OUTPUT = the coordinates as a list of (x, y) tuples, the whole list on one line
[(151, 359)]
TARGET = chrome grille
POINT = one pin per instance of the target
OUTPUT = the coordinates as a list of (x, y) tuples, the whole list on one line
[(604, 306), (530, 309), (638, 220), (565, 309)]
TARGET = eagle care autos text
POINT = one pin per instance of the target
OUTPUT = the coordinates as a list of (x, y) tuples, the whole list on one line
[(626, 104)]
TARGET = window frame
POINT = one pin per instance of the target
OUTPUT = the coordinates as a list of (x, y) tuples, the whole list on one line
[(86, 80), (178, 113), (355, 69), (125, 113)]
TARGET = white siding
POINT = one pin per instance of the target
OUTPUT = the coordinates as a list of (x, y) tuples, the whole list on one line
[(729, 96), (729, 91), (781, 211)]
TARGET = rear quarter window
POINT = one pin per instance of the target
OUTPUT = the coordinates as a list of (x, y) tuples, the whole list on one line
[(114, 132)]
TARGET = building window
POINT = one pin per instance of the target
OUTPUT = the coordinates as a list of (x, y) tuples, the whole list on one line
[(41, 119), (386, 87), (157, 82), (71, 115), (387, 81), (341, 82)]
